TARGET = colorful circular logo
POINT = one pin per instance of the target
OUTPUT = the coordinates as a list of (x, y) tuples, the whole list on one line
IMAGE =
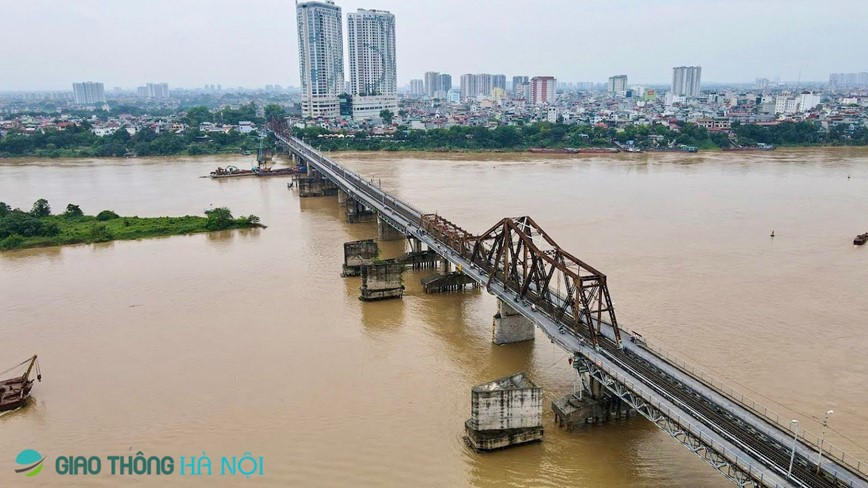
[(29, 462)]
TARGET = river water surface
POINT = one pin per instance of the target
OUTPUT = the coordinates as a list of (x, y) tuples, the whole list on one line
[(250, 341)]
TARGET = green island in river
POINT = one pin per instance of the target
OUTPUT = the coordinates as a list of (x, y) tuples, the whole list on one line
[(40, 228)]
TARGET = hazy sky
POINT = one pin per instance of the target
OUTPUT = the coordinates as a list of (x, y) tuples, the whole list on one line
[(48, 44)]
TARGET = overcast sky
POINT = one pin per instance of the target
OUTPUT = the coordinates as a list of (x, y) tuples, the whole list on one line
[(48, 44)]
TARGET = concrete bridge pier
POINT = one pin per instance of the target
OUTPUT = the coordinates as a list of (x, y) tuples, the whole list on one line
[(445, 266), (589, 403), (381, 281), (386, 232), (357, 212), (415, 244), (342, 197), (510, 326)]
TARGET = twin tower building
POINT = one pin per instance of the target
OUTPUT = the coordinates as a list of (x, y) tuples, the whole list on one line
[(373, 85)]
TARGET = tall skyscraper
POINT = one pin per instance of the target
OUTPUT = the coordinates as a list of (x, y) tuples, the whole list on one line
[(498, 81), (445, 82), (417, 87), (617, 84), (484, 84), (469, 86), (686, 81), (542, 89), (432, 82), (762, 83), (518, 86), (321, 57), (88, 92), (373, 76)]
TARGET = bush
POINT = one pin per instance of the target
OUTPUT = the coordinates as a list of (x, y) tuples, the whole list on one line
[(41, 208), (73, 212), (101, 233), (12, 242), (106, 215), (219, 218)]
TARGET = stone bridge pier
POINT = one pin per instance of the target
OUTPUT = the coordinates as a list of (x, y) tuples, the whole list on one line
[(510, 326), (386, 232)]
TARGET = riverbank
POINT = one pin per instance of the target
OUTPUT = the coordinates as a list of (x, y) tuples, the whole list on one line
[(23, 230)]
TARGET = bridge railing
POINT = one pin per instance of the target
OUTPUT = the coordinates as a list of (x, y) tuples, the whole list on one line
[(695, 429), (809, 438)]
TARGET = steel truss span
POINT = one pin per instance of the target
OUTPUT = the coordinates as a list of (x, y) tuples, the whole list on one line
[(569, 300)]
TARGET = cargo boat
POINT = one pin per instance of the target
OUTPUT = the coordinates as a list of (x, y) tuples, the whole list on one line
[(758, 147), (861, 239), (14, 392)]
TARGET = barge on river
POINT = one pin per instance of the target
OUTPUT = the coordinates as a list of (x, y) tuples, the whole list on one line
[(861, 239), (15, 391)]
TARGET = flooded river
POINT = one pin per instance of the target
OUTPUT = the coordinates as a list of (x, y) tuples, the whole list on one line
[(250, 341)]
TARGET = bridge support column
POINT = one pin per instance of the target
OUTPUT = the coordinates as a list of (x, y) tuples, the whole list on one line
[(510, 326), (386, 232), (415, 244), (358, 254), (504, 412), (381, 281), (342, 197), (357, 212)]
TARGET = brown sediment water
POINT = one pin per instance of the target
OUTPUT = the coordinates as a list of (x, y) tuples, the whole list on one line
[(250, 341)]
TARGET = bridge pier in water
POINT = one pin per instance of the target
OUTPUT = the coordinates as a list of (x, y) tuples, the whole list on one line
[(504, 412), (590, 402), (358, 254), (386, 232), (381, 281), (357, 212), (509, 326), (314, 184)]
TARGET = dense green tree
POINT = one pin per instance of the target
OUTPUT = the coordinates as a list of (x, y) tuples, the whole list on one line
[(219, 218), (41, 208), (73, 211), (387, 116)]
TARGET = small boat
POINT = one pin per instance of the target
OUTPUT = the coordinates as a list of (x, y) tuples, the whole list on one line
[(231, 172), (15, 391), (861, 239)]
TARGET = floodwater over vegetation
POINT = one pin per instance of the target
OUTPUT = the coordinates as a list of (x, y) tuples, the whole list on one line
[(249, 340)]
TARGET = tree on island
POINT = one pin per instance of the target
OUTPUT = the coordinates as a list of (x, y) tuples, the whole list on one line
[(73, 211), (41, 208)]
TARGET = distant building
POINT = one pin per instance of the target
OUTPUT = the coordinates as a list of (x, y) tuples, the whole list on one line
[(498, 81), (542, 89), (417, 88), (88, 93), (762, 83), (453, 95), (373, 73), (445, 82), (516, 82), (848, 80), (469, 86), (617, 84), (484, 84), (321, 57), (153, 90), (686, 81), (432, 82)]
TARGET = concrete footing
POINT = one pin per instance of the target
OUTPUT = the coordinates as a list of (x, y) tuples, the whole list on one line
[(356, 212), (386, 232), (419, 259), (314, 185), (358, 254), (381, 281), (510, 326), (572, 412), (504, 412)]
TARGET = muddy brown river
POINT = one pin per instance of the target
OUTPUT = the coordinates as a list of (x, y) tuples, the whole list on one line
[(250, 341)]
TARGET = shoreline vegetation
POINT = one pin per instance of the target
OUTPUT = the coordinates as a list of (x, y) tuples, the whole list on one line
[(80, 142), (40, 228)]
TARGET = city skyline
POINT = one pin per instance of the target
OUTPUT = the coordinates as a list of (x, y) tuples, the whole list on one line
[(651, 40)]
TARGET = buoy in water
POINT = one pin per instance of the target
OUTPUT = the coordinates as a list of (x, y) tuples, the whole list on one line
[(773, 234)]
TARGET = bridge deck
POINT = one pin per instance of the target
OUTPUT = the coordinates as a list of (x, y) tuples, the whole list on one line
[(745, 437)]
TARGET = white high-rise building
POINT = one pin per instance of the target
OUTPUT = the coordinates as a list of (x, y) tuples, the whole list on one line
[(432, 82), (373, 76), (498, 81), (686, 81), (88, 93), (417, 88), (321, 58), (617, 84)]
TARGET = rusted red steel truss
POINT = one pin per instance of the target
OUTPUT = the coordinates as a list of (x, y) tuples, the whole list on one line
[(522, 256)]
